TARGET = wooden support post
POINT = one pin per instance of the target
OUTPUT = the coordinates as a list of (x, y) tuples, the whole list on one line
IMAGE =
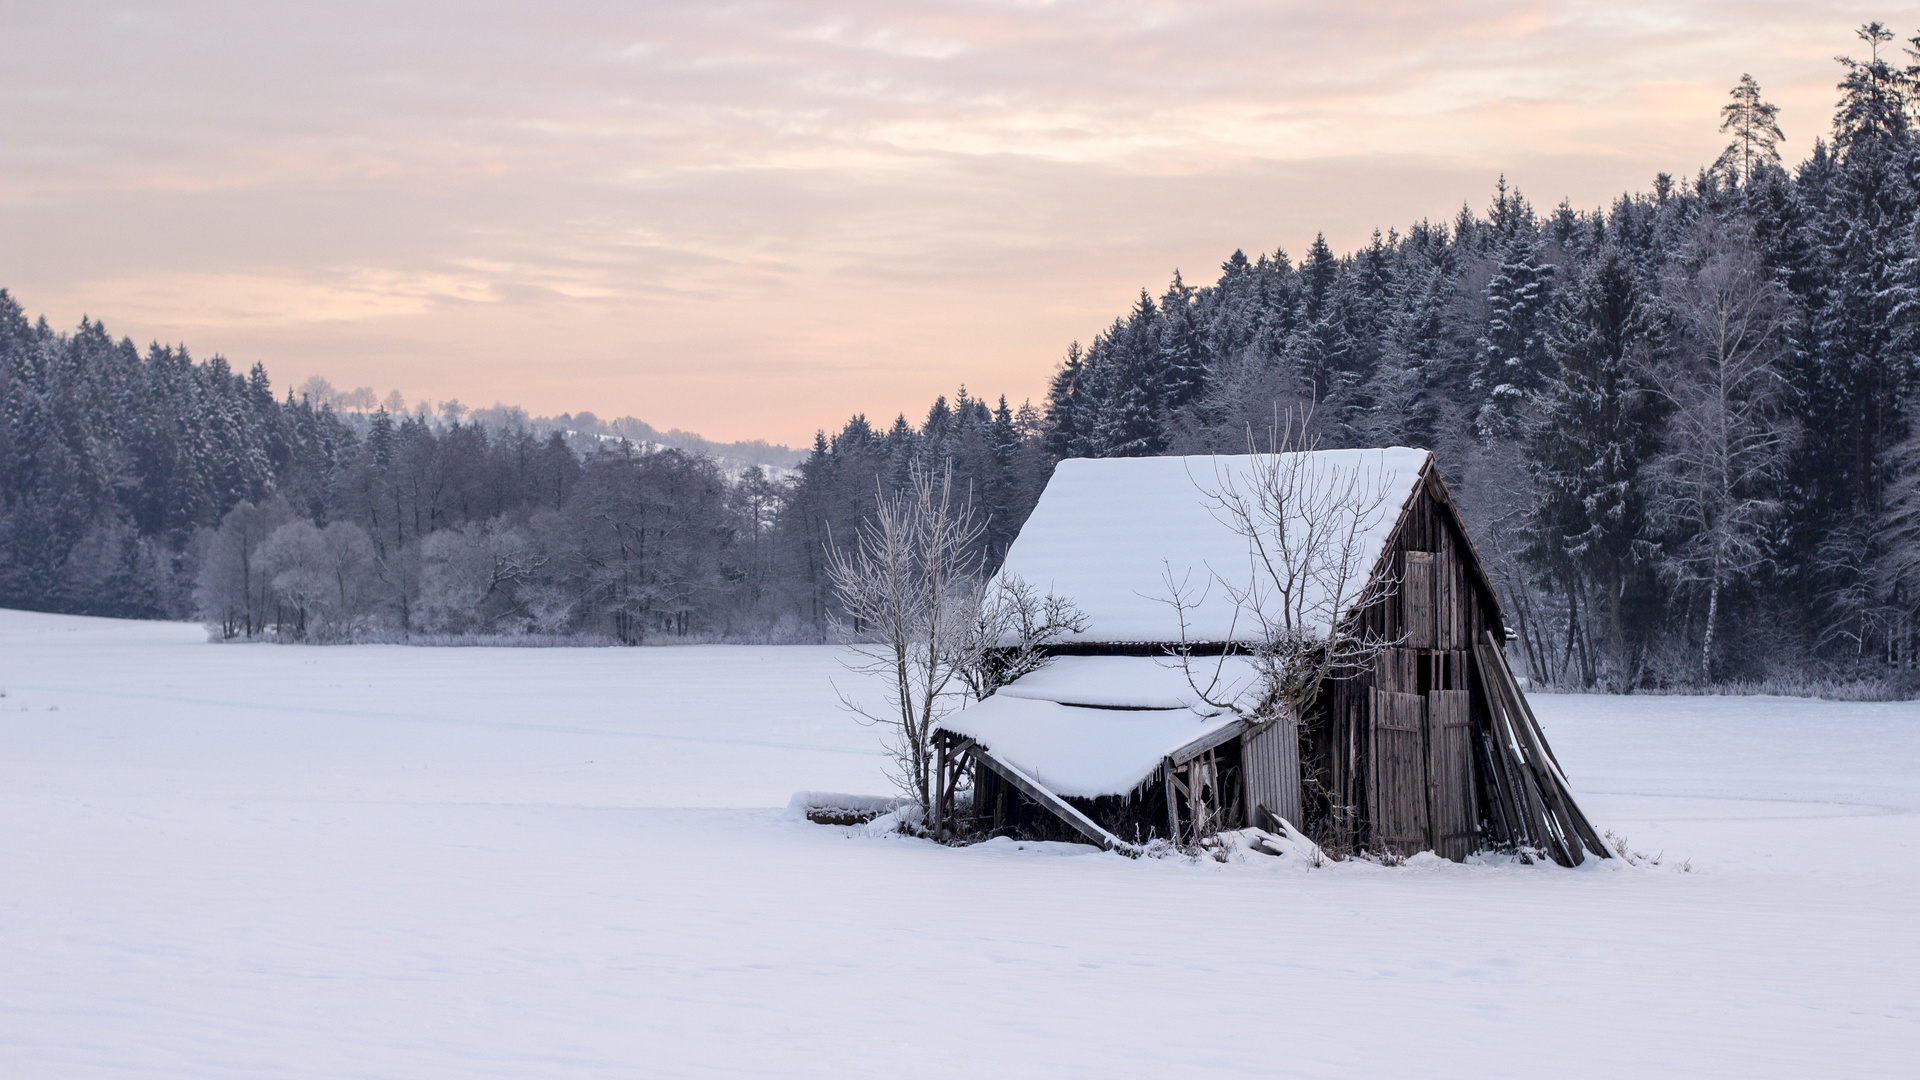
[(1173, 803), (936, 811)]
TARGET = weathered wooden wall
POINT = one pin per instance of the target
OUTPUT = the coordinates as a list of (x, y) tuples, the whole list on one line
[(1399, 747), (1271, 755), (1396, 755)]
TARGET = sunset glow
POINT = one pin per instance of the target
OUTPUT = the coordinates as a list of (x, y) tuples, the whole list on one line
[(751, 221)]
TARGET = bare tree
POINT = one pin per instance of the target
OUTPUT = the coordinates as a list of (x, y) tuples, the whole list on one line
[(318, 391), (1727, 437), (1009, 638), (1310, 524), (911, 591)]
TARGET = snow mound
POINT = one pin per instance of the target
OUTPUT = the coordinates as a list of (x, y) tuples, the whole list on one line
[(835, 808)]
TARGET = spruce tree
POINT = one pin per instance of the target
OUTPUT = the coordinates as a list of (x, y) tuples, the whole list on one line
[(1511, 360), (1588, 528)]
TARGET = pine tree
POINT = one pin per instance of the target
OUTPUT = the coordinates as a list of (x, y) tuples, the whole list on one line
[(1182, 358), (1756, 133), (1873, 100)]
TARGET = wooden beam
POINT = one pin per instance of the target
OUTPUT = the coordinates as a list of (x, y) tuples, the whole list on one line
[(1060, 808), (1225, 734), (1173, 805), (1554, 779), (939, 788)]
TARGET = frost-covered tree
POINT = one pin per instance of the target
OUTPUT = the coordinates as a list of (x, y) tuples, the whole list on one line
[(471, 576), (910, 586), (1588, 531), (234, 590), (325, 576), (1512, 361), (1728, 435)]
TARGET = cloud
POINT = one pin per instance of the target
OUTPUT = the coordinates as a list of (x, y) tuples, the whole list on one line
[(754, 218)]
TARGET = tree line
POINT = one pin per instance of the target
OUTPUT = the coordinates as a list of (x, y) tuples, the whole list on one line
[(146, 484), (1680, 427)]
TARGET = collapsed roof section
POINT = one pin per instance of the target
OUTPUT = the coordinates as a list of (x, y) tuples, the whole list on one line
[(1088, 726)]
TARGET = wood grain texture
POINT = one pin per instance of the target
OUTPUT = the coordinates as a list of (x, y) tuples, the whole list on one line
[(1451, 808), (1398, 781)]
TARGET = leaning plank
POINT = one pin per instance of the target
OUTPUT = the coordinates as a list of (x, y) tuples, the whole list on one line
[(1209, 741), (1521, 782), (1060, 808), (1576, 820), (1531, 777), (1506, 820), (1574, 834), (1571, 818)]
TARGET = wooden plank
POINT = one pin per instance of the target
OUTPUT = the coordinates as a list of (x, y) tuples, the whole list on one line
[(1553, 780), (1225, 734), (1529, 782), (1397, 791), (1059, 807), (1173, 803), (1502, 813), (1397, 671), (939, 807), (1270, 754), (1450, 800), (1416, 602), (1375, 705)]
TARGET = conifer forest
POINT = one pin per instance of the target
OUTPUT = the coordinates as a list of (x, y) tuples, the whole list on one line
[(1681, 427)]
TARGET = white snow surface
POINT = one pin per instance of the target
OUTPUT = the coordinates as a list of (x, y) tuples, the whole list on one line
[(1077, 750), (1118, 536), (372, 861), (1148, 682)]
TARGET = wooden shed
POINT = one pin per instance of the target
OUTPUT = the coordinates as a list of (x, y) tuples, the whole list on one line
[(1429, 747)]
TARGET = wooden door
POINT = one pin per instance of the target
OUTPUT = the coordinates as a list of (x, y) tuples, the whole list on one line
[(1451, 812), (1270, 756), (1397, 781), (1416, 601)]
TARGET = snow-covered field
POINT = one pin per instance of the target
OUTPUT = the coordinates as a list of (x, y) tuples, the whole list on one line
[(264, 861)]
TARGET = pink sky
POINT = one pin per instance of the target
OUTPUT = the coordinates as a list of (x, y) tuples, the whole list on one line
[(753, 220)]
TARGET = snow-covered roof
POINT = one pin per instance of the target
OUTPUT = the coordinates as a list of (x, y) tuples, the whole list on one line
[(1109, 533), (1138, 682), (1085, 750), (1077, 750)]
